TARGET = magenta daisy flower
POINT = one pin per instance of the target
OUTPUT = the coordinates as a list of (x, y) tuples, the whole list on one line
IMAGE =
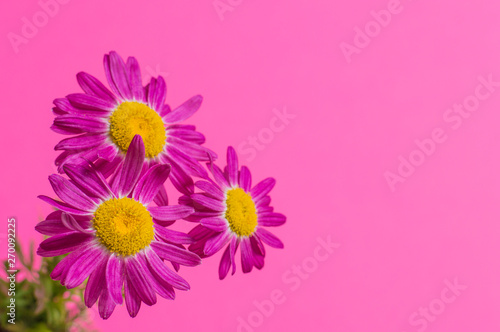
[(106, 121), (113, 235), (233, 213)]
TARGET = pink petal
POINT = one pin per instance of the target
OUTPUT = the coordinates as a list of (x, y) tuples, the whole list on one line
[(184, 111), (115, 276), (216, 243), (175, 254), (150, 183), (132, 166)]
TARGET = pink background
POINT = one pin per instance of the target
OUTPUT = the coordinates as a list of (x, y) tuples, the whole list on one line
[(352, 122)]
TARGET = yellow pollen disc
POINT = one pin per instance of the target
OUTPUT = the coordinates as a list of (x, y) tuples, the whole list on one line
[(123, 225), (240, 212), (132, 118)]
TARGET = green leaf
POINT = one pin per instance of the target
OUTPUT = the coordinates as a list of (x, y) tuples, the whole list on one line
[(40, 301)]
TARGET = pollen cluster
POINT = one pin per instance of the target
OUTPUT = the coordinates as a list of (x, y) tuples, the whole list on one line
[(123, 225), (132, 118), (240, 212)]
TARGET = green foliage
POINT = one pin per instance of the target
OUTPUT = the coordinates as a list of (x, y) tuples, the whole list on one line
[(42, 304)]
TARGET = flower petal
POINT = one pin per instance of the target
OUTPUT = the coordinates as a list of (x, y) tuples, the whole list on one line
[(53, 224), (262, 189), (181, 126), (184, 111), (132, 300), (63, 206), (211, 190), (257, 246), (162, 271), (269, 238), (150, 183), (271, 219), (61, 269), (76, 124), (189, 164), (93, 86), (245, 179), (180, 179), (132, 166), (225, 263), (51, 227), (193, 150), (64, 106), (234, 246), (69, 193), (85, 141), (164, 110), (173, 236), (83, 266), (63, 243), (186, 134), (258, 260), (214, 244), (176, 266), (76, 157), (175, 254), (157, 92), (135, 79), (209, 202), (106, 168), (163, 288), (170, 212), (88, 180), (232, 166), (263, 202), (116, 74), (200, 232), (161, 197), (218, 224), (160, 286), (136, 279), (246, 256), (108, 152), (264, 209), (95, 284), (95, 104), (198, 215), (66, 130), (106, 304), (218, 176), (115, 276), (72, 224)]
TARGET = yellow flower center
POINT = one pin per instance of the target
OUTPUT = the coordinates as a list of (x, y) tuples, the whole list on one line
[(132, 118), (240, 212), (123, 225)]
